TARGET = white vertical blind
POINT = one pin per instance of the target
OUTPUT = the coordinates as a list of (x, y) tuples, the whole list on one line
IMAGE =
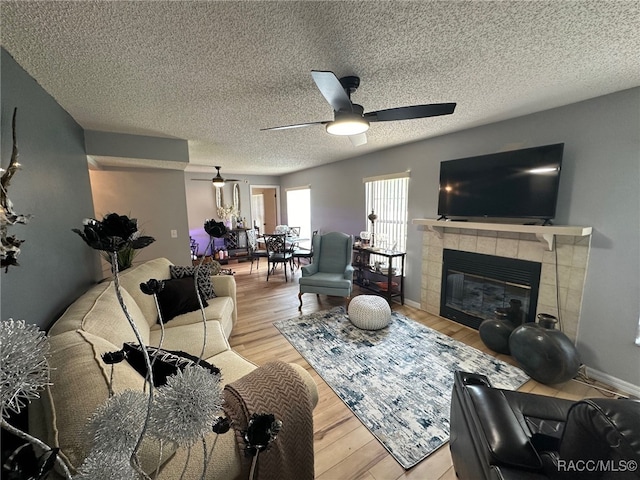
[(388, 198)]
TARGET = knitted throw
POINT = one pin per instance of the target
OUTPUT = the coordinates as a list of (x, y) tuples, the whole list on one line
[(275, 388)]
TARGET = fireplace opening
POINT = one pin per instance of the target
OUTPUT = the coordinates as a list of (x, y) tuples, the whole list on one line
[(476, 286)]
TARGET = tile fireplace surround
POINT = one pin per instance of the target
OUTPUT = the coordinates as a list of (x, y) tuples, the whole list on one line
[(570, 251)]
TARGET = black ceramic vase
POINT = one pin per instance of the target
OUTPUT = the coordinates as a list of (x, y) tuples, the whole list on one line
[(544, 353), (495, 332)]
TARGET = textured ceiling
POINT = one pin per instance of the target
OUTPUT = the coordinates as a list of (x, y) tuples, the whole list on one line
[(215, 73)]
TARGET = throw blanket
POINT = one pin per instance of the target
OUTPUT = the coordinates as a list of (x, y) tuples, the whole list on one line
[(275, 388)]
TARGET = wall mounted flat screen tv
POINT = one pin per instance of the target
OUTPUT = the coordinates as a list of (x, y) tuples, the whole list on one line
[(516, 184)]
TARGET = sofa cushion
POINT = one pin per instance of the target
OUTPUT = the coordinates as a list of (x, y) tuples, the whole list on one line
[(219, 308), (164, 363), (188, 338), (132, 278), (204, 277), (179, 296), (79, 381), (99, 313)]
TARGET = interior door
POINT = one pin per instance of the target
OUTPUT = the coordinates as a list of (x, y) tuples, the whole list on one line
[(265, 212)]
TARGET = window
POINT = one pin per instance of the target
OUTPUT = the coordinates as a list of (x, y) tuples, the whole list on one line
[(299, 211), (387, 196)]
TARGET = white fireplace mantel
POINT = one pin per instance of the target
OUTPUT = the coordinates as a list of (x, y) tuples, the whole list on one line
[(544, 233)]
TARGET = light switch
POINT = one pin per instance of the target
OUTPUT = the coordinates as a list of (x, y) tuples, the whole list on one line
[(174, 233)]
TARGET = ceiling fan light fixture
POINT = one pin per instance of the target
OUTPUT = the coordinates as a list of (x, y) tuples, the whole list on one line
[(348, 126), (218, 181)]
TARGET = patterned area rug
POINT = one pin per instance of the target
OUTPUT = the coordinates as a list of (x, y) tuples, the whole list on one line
[(397, 380)]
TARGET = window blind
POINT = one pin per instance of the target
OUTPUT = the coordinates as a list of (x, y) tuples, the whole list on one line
[(388, 197)]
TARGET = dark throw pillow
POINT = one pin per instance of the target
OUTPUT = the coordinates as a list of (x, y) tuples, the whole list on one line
[(165, 364), (204, 277), (177, 297)]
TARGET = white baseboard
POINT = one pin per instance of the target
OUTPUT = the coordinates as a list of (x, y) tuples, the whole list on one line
[(411, 303), (615, 382)]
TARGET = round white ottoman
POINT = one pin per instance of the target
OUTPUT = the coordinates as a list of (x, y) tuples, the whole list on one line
[(369, 312)]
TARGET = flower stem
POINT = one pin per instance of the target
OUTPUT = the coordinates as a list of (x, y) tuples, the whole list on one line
[(116, 283), (204, 317), (254, 463), (155, 298), (186, 463), (209, 456), (34, 441), (204, 460)]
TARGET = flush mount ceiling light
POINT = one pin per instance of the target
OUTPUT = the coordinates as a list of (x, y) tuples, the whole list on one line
[(543, 170), (348, 123)]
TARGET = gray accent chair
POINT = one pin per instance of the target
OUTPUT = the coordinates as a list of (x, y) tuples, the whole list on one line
[(331, 272)]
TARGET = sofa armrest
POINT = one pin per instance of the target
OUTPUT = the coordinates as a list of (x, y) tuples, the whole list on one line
[(309, 382), (502, 433), (225, 286), (602, 429)]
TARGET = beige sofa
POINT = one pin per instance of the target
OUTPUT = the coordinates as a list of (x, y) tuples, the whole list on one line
[(95, 324)]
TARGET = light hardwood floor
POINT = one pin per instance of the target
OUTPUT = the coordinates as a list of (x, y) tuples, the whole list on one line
[(344, 448)]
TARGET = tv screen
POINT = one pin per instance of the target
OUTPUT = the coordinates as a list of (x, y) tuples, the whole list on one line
[(516, 184)]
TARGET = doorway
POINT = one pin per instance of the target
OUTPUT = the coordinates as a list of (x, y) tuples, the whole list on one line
[(265, 210)]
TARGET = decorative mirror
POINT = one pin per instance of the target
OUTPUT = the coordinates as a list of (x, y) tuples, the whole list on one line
[(236, 198)]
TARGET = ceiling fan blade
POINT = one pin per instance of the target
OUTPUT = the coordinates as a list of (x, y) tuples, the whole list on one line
[(413, 111), (332, 90), (298, 125), (357, 140), (209, 180)]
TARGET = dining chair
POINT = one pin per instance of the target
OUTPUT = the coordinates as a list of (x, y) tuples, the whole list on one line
[(279, 252), (294, 231), (303, 252), (255, 253)]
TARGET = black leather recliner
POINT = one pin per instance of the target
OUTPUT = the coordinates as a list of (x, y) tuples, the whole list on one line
[(501, 434)]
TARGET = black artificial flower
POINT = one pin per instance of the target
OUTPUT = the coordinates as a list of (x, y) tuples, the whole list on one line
[(152, 287), (222, 425), (121, 226), (113, 233), (113, 357), (263, 429), (215, 229)]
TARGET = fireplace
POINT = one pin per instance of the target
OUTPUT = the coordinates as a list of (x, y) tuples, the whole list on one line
[(475, 285)]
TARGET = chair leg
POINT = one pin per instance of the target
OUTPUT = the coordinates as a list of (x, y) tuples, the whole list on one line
[(284, 265), (300, 300)]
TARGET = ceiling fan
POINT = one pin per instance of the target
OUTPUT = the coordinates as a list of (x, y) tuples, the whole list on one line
[(217, 181), (350, 119)]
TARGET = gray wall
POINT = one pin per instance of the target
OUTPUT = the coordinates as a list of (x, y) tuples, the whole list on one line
[(136, 146), (55, 264), (156, 198), (599, 187)]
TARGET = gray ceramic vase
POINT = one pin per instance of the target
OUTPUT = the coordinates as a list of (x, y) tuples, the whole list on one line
[(495, 332), (544, 353)]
